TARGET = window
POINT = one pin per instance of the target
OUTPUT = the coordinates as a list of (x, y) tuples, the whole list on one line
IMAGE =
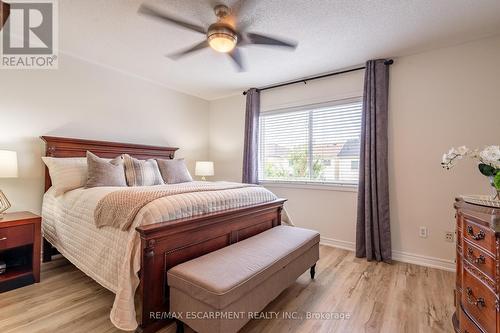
[(311, 144)]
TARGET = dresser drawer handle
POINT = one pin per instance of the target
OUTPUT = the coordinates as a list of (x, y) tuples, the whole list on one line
[(479, 302), (3, 238), (477, 237), (477, 260)]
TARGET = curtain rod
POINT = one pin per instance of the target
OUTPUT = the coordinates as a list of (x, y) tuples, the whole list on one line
[(387, 62)]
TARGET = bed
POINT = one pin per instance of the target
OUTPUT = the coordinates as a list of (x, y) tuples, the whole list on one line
[(157, 241)]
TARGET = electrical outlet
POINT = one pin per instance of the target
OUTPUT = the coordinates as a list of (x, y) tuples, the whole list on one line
[(423, 232), (449, 236)]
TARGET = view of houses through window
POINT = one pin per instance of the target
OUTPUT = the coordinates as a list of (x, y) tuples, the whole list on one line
[(313, 144)]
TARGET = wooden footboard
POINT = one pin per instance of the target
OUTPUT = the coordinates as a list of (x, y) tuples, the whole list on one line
[(168, 244)]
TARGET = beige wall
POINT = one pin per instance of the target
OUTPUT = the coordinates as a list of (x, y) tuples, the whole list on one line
[(448, 97), (438, 99), (325, 210), (85, 100)]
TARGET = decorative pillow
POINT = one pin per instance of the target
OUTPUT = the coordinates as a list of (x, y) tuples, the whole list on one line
[(66, 173), (174, 171), (104, 172), (141, 172)]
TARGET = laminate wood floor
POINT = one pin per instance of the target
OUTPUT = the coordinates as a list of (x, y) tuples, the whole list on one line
[(377, 297)]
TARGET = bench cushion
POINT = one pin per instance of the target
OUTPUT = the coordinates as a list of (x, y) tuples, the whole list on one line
[(219, 278)]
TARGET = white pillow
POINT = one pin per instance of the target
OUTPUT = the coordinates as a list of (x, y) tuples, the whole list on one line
[(66, 173)]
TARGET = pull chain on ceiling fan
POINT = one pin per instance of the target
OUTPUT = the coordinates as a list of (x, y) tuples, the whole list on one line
[(222, 36)]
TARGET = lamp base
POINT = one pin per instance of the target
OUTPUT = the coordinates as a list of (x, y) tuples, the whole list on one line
[(203, 179), (4, 204)]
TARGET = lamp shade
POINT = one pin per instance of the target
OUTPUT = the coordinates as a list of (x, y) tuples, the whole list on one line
[(8, 164), (204, 168)]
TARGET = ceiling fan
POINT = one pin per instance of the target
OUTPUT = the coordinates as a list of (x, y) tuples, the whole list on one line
[(225, 35)]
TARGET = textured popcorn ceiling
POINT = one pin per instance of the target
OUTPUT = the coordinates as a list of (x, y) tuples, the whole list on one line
[(332, 34)]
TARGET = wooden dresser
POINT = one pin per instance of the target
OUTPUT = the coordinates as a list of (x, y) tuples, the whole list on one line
[(478, 269)]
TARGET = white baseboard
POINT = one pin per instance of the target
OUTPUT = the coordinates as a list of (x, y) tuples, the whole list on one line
[(337, 243), (417, 259), (410, 258)]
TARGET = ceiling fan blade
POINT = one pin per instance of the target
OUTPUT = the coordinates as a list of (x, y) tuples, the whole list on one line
[(146, 10), (235, 54), (266, 40), (190, 50)]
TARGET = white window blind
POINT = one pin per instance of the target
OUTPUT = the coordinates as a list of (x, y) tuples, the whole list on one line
[(312, 144)]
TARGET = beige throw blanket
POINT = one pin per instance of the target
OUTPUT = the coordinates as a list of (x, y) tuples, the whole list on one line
[(119, 208)]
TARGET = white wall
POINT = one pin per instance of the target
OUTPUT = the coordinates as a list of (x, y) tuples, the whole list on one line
[(438, 99), (85, 100)]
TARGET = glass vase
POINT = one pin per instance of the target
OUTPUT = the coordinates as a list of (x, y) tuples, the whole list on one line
[(496, 191)]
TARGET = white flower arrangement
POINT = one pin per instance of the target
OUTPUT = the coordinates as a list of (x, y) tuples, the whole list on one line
[(491, 155), (454, 154), (488, 158)]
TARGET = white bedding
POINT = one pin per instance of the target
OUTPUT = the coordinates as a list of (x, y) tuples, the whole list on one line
[(111, 256)]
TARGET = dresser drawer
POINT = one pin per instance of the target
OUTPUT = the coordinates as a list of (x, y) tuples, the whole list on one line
[(16, 236), (479, 235), (479, 301), (480, 259), (466, 325)]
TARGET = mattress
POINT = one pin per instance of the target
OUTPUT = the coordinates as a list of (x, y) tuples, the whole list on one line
[(111, 256)]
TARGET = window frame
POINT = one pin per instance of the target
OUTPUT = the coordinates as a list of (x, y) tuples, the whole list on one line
[(318, 185)]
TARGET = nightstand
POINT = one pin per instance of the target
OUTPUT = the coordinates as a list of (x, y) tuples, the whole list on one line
[(20, 238)]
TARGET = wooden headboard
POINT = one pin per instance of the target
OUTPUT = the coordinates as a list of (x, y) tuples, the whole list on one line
[(69, 147)]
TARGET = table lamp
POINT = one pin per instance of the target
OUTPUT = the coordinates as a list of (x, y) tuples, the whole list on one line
[(204, 168), (8, 169)]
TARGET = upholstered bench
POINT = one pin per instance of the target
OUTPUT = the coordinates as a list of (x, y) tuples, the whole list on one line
[(220, 291)]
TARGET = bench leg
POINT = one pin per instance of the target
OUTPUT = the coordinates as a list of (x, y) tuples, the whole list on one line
[(312, 271), (180, 326), (47, 251)]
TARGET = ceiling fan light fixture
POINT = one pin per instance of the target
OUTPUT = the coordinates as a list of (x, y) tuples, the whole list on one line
[(222, 38), (222, 42)]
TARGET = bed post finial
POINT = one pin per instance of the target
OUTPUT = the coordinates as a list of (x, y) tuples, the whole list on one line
[(50, 151), (149, 251)]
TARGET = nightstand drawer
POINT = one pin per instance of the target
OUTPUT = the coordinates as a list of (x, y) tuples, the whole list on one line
[(16, 236)]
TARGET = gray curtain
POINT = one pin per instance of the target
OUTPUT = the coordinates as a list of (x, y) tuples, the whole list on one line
[(250, 150), (373, 233)]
